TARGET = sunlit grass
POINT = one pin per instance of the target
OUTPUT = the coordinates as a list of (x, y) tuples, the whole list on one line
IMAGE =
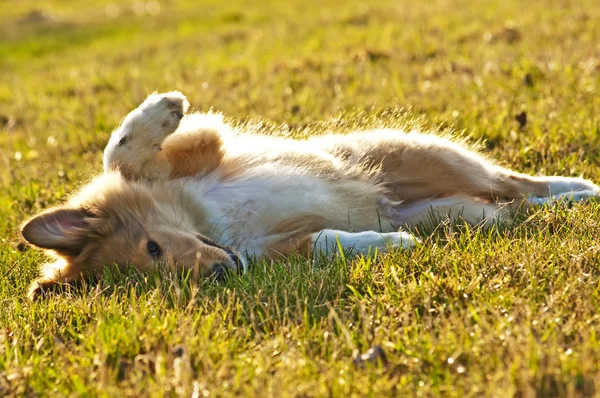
[(469, 312)]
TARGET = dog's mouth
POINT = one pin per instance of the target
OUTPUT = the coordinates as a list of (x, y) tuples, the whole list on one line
[(221, 269)]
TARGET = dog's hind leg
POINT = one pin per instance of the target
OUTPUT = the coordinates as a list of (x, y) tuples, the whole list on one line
[(472, 211), (442, 168), (453, 209), (419, 166)]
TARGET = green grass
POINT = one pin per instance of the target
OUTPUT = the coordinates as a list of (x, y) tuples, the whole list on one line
[(504, 313)]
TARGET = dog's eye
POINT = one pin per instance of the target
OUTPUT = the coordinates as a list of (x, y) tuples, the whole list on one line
[(153, 248)]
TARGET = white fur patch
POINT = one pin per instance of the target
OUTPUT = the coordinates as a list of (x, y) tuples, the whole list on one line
[(329, 240), (558, 184), (453, 208), (564, 197)]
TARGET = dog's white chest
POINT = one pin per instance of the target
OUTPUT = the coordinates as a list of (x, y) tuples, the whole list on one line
[(242, 212)]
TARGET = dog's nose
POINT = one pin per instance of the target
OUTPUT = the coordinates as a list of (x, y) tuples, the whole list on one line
[(220, 271), (233, 255), (235, 258)]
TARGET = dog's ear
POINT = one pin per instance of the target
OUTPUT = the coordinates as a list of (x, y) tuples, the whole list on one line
[(62, 229)]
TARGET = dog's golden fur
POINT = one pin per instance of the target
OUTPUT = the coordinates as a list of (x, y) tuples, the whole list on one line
[(173, 183)]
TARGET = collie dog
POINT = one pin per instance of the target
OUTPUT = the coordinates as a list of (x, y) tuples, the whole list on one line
[(189, 191)]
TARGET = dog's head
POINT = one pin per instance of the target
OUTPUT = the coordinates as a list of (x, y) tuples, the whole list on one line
[(117, 222)]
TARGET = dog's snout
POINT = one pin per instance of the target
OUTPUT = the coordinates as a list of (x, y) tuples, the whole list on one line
[(235, 258), (230, 252), (220, 271)]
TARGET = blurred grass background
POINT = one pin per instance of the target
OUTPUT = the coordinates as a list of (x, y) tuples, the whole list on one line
[(504, 313)]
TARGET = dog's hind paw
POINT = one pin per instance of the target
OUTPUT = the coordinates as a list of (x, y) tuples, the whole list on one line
[(565, 197), (564, 185)]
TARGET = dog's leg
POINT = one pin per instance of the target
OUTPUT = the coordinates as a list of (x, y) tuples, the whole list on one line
[(135, 147), (472, 211), (416, 167), (450, 170), (453, 209), (58, 273), (329, 241), (197, 145), (563, 197)]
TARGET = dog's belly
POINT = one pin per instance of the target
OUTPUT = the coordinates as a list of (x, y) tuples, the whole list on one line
[(243, 213)]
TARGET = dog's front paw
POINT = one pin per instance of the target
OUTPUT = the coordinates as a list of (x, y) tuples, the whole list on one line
[(161, 113), (329, 241), (401, 239), (141, 134), (150, 123)]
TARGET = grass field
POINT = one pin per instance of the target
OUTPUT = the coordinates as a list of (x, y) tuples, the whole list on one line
[(511, 312)]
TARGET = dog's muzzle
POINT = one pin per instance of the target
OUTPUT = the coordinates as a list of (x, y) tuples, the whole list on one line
[(222, 269)]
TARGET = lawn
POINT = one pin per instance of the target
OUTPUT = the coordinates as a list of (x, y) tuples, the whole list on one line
[(506, 312)]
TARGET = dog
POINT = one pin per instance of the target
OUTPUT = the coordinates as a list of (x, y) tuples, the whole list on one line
[(189, 191)]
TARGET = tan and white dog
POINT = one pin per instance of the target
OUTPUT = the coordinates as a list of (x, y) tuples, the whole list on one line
[(192, 192)]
